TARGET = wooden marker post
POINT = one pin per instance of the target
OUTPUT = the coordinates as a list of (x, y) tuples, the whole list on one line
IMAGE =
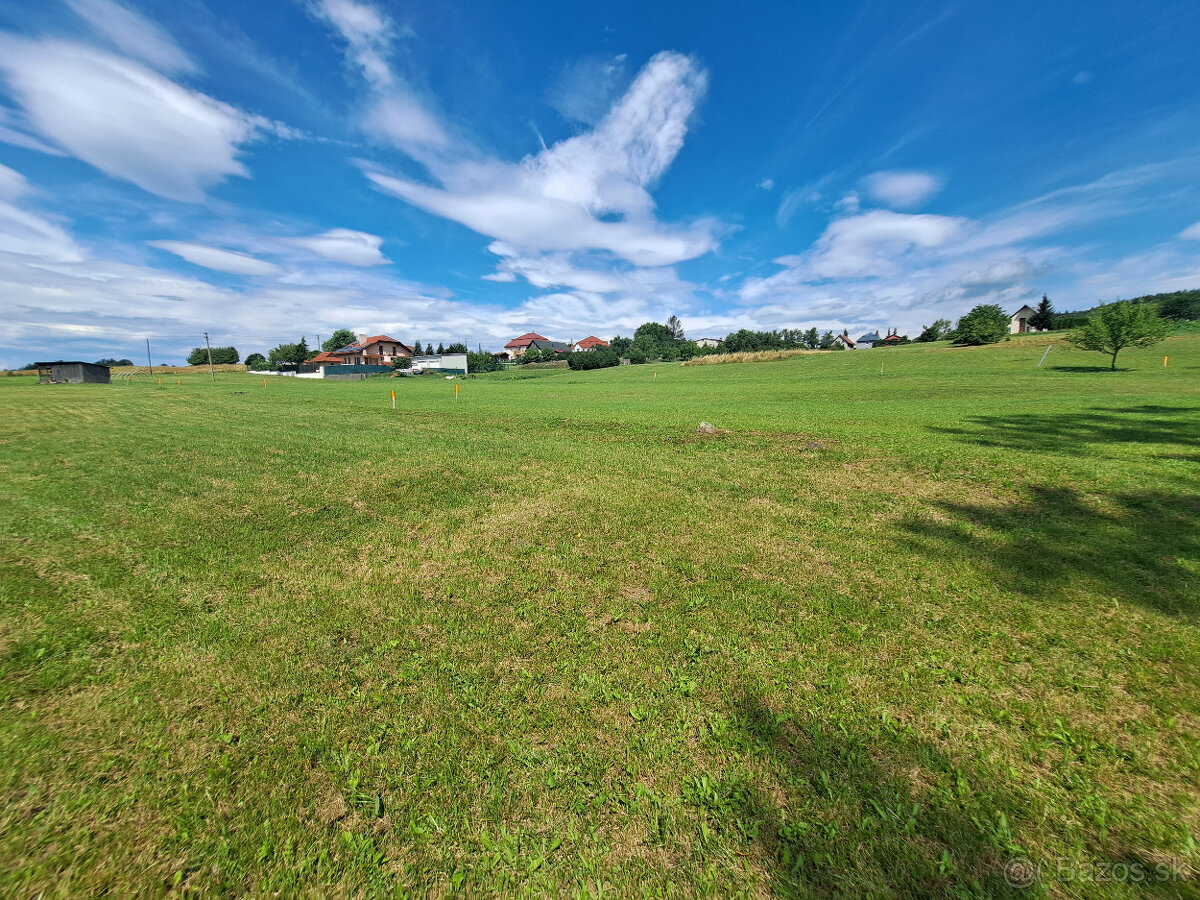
[(1165, 359), (456, 391), (393, 400)]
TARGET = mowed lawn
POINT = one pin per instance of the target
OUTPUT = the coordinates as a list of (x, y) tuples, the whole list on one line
[(886, 632)]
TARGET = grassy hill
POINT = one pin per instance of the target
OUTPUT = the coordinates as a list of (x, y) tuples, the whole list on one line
[(910, 616)]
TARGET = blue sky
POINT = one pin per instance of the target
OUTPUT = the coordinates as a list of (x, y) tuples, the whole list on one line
[(444, 171)]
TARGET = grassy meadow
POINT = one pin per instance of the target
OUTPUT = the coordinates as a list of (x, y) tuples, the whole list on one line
[(912, 614)]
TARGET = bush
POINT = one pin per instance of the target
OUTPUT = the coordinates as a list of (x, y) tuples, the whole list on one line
[(254, 359), (637, 356), (402, 362), (938, 331), (985, 324), (600, 358), (482, 362)]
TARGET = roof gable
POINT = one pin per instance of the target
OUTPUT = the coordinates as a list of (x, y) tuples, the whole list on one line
[(525, 339)]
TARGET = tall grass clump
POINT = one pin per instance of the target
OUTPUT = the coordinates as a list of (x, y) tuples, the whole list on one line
[(750, 356)]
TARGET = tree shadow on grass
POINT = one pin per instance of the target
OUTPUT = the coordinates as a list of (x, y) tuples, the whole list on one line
[(866, 810), (1081, 369), (1137, 548), (1069, 431)]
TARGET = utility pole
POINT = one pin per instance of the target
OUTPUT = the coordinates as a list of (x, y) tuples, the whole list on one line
[(211, 373), (318, 342), (149, 361)]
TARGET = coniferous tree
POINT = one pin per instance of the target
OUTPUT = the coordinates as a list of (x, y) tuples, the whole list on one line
[(1043, 317)]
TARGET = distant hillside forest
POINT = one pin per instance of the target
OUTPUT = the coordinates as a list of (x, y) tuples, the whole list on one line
[(1182, 306)]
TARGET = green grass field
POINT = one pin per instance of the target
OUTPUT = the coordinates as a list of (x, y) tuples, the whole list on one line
[(885, 633)]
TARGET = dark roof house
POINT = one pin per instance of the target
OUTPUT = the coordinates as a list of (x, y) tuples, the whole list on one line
[(543, 344)]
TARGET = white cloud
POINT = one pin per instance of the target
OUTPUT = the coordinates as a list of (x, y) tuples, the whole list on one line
[(586, 192), (902, 190), (133, 34), (25, 234), (217, 259), (395, 113), (367, 32), (767, 184), (125, 119), (12, 183), (354, 248), (1084, 77), (403, 120), (873, 243), (1191, 233)]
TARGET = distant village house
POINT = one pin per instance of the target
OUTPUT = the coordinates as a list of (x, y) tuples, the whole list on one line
[(709, 342), (1019, 323), (531, 340), (589, 343), (379, 350)]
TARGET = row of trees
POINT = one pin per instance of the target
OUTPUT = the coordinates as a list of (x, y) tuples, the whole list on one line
[(221, 356)]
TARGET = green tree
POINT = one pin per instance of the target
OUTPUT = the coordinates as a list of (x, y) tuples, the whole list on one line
[(653, 339), (289, 353), (221, 356), (255, 359), (417, 351), (1115, 326), (441, 348), (985, 324), (812, 339), (458, 347), (1182, 305), (402, 362), (343, 337), (482, 362), (620, 345), (109, 362), (938, 331), (676, 328), (1043, 317)]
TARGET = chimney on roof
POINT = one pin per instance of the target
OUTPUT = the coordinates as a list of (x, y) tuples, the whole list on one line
[(361, 337)]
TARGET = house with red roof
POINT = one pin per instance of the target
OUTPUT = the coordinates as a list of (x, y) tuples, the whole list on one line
[(519, 345), (325, 358), (379, 350), (589, 343)]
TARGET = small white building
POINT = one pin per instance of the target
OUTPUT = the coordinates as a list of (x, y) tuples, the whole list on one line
[(845, 342), (709, 342), (446, 363), (1019, 323)]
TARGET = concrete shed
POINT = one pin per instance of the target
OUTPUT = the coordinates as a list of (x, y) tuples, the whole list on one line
[(63, 372)]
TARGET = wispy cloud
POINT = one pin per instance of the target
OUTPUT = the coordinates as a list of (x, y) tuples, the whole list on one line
[(126, 119), (134, 35), (353, 248), (902, 190), (585, 89), (216, 258)]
